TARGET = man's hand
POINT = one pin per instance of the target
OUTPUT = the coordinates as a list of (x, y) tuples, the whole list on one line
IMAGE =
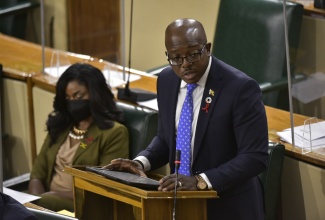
[(126, 165), (184, 183)]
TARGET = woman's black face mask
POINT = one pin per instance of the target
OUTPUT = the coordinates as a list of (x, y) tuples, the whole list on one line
[(79, 109)]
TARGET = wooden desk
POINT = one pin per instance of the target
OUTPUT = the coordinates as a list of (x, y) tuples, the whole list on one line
[(279, 120), (123, 201), (309, 8), (22, 59)]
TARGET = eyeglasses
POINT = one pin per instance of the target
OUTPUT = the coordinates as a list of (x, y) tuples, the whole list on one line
[(193, 57)]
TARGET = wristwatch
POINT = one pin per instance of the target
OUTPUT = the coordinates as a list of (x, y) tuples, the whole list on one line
[(201, 184)]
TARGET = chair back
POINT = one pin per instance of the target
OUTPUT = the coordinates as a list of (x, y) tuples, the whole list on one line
[(250, 36), (271, 179), (142, 124), (13, 16)]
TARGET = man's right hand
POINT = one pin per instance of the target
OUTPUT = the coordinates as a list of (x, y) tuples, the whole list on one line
[(126, 165)]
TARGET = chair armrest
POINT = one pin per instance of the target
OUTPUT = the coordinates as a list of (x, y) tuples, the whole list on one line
[(18, 8), (299, 77), (18, 183), (280, 84), (156, 70), (273, 86)]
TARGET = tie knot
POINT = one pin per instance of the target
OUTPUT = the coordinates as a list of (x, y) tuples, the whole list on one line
[(190, 88)]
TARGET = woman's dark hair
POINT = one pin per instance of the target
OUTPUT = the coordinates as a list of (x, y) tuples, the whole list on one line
[(103, 108)]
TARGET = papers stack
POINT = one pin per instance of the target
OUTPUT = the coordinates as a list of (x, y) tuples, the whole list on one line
[(308, 137), (20, 196)]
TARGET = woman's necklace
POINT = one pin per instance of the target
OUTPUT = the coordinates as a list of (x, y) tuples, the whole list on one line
[(76, 133)]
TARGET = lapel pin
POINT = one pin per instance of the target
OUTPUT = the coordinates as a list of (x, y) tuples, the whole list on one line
[(208, 100), (211, 92), (83, 145), (87, 141)]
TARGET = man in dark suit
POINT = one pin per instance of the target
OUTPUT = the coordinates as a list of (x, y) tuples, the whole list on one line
[(229, 127)]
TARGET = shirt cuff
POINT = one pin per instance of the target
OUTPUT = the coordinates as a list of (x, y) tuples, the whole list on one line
[(206, 180), (145, 162)]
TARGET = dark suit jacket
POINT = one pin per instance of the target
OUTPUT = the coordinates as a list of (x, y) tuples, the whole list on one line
[(231, 139), (11, 209)]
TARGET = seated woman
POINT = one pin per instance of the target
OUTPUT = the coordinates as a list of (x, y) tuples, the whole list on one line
[(84, 129)]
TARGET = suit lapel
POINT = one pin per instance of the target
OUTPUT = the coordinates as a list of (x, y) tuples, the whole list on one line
[(171, 122), (170, 103), (209, 99)]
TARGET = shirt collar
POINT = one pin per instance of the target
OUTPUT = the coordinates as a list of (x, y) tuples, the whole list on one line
[(203, 79)]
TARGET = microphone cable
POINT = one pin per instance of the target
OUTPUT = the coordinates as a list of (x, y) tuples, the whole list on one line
[(177, 165)]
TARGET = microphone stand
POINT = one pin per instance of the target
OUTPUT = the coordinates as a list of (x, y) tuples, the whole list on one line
[(288, 70), (42, 36), (127, 94), (177, 164)]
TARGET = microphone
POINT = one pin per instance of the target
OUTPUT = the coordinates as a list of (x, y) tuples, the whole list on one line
[(177, 165), (177, 160), (133, 95)]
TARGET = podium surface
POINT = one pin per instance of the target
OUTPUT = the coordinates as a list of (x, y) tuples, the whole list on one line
[(97, 197)]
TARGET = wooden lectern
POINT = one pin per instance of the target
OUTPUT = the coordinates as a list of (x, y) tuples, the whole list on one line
[(97, 197)]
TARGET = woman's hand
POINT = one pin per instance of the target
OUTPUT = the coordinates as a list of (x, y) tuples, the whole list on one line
[(36, 187)]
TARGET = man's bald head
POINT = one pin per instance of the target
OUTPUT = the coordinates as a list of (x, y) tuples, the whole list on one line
[(184, 31), (187, 48)]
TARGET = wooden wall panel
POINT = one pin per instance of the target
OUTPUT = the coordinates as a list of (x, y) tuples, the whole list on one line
[(94, 28)]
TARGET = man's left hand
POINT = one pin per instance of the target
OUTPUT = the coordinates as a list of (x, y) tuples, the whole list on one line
[(184, 183)]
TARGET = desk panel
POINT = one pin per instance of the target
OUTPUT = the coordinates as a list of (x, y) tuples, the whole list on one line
[(303, 190), (16, 125)]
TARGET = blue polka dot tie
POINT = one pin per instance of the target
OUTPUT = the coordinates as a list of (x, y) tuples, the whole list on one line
[(184, 132)]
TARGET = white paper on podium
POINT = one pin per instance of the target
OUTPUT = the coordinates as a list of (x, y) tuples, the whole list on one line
[(317, 136), (20, 196), (299, 141), (113, 78)]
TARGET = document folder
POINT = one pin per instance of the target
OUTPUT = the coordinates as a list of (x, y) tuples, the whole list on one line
[(126, 178)]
